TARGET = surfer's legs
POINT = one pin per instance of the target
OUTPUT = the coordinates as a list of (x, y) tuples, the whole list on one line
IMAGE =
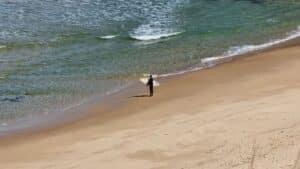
[(151, 91)]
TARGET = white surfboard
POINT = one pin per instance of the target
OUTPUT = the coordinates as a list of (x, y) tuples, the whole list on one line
[(145, 81)]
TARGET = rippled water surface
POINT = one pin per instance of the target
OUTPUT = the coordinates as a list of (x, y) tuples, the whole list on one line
[(55, 54)]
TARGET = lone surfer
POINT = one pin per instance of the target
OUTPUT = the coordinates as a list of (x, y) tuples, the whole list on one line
[(150, 84)]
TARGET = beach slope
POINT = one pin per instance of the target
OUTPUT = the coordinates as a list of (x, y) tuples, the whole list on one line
[(243, 114)]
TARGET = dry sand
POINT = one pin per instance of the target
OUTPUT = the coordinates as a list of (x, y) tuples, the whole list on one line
[(240, 115)]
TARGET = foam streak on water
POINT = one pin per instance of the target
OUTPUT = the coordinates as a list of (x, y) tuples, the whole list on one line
[(108, 37), (233, 52), (153, 36)]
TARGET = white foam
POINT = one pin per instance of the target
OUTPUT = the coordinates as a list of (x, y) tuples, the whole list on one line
[(147, 37), (3, 76), (108, 37), (235, 51), (159, 20), (2, 46), (239, 50), (272, 20), (212, 59)]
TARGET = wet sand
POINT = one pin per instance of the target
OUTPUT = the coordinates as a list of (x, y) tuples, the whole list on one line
[(241, 114)]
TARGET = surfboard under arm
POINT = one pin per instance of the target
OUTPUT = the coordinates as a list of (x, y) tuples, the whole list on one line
[(145, 81)]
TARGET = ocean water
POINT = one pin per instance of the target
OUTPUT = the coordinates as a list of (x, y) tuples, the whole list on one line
[(58, 54)]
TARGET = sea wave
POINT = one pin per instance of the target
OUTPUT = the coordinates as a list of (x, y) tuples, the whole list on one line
[(233, 52), (108, 36), (147, 37), (153, 31), (239, 50)]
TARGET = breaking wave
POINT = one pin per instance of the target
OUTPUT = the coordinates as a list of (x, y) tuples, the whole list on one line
[(235, 51)]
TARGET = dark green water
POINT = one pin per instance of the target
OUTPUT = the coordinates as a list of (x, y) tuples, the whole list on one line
[(59, 54)]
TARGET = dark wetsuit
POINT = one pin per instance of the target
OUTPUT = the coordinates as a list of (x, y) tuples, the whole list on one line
[(150, 84)]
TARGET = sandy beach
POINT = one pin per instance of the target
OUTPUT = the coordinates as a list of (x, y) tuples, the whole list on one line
[(243, 114)]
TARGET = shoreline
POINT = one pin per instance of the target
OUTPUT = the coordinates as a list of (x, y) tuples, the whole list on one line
[(74, 111), (209, 62), (116, 99), (211, 118)]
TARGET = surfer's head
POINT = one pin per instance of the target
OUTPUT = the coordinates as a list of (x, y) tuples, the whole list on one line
[(150, 76)]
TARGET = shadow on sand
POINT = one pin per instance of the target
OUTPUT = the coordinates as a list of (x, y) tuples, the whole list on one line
[(143, 95)]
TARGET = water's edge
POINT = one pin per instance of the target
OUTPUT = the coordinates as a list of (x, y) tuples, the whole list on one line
[(78, 111)]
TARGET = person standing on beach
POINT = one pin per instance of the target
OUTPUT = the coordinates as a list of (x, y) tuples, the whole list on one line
[(150, 84)]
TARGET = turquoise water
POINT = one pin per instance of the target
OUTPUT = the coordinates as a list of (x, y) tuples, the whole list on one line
[(58, 54)]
